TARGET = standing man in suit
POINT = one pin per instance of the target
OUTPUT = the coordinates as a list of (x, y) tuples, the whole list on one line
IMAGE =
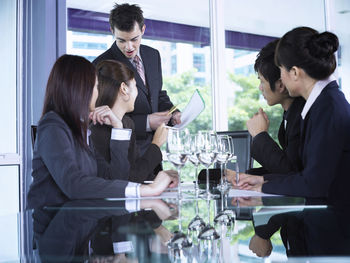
[(152, 103)]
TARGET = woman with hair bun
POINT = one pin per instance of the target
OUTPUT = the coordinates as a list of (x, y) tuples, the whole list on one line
[(307, 61)]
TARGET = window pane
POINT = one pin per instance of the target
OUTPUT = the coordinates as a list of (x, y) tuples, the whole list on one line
[(9, 194), (8, 133), (341, 26), (249, 26)]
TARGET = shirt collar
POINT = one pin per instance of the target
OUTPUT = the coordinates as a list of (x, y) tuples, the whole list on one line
[(316, 91)]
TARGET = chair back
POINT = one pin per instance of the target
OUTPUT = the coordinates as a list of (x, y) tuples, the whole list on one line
[(33, 134), (241, 141)]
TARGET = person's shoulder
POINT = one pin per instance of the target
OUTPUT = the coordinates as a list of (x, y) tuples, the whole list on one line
[(51, 118), (108, 54), (145, 48)]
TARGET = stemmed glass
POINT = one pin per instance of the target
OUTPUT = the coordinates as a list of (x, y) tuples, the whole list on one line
[(207, 152), (178, 150), (194, 160), (224, 152)]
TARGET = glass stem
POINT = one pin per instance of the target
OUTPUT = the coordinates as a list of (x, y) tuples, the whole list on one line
[(222, 176), (207, 168), (225, 168), (179, 185), (196, 181)]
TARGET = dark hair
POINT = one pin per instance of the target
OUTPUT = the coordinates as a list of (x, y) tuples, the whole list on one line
[(69, 91), (265, 64), (123, 17), (110, 75), (304, 47)]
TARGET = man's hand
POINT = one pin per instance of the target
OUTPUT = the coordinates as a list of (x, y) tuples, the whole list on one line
[(160, 135), (258, 123), (261, 247), (176, 118), (157, 118)]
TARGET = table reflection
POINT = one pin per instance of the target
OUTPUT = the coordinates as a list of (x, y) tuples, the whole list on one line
[(246, 229)]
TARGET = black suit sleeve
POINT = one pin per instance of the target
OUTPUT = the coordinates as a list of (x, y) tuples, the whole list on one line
[(269, 154), (58, 151), (142, 167)]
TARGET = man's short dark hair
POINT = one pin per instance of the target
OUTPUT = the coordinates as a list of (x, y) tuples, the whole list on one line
[(123, 17), (265, 64)]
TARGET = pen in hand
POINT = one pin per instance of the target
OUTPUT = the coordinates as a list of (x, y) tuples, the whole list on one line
[(173, 108), (237, 173)]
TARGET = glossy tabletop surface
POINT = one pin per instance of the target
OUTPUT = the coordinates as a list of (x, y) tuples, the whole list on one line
[(222, 229)]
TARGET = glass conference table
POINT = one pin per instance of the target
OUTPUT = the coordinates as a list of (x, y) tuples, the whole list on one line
[(220, 229)]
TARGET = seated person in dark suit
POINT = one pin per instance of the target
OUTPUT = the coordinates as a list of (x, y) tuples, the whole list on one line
[(152, 103), (307, 62), (117, 89), (65, 163), (264, 149)]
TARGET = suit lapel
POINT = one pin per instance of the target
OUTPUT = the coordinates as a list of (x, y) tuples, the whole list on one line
[(120, 57)]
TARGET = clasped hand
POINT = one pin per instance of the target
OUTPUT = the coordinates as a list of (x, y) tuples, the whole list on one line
[(104, 115), (258, 123)]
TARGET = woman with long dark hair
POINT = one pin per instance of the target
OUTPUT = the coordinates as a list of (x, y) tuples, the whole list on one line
[(307, 61), (65, 165), (117, 90)]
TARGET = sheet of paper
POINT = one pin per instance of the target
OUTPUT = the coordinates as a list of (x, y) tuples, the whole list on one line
[(194, 107), (246, 193)]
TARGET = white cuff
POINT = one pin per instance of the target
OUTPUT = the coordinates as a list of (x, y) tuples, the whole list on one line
[(122, 247), (148, 126), (132, 190), (121, 134), (132, 205)]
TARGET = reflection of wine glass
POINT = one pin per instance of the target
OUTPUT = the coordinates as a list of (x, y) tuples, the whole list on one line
[(208, 232), (193, 158), (179, 240), (224, 152), (177, 149), (196, 225), (207, 152)]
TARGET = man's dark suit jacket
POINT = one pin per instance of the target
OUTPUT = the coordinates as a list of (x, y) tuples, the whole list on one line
[(267, 152), (325, 151), (141, 167), (150, 98)]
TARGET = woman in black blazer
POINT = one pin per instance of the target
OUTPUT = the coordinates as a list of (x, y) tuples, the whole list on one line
[(117, 89), (65, 163), (306, 59)]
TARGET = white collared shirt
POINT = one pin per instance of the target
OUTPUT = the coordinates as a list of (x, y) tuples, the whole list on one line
[(316, 91)]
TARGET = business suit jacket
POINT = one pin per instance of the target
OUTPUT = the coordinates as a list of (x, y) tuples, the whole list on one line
[(325, 151), (63, 170), (151, 98), (268, 153), (141, 166)]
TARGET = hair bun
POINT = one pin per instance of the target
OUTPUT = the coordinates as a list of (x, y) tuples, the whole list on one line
[(323, 45)]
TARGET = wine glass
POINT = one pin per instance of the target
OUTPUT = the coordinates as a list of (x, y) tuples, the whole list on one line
[(178, 150), (207, 152), (194, 160), (224, 152)]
